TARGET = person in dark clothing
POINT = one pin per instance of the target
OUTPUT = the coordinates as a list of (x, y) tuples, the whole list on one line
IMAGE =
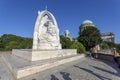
[(91, 53), (116, 57)]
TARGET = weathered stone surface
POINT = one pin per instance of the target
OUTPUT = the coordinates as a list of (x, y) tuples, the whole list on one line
[(46, 32), (22, 68), (83, 69), (5, 73), (34, 55), (46, 52)]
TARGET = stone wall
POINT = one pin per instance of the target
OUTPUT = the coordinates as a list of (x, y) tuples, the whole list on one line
[(34, 55), (107, 57), (5, 52), (23, 53)]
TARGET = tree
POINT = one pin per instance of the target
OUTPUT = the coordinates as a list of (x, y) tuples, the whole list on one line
[(89, 37), (1, 45), (66, 42), (9, 42), (62, 41), (79, 46), (104, 45), (13, 45), (111, 44), (118, 48)]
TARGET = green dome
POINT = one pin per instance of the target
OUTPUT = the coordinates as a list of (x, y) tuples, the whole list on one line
[(87, 22)]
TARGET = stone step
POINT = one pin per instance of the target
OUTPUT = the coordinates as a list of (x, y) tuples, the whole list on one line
[(5, 73), (22, 68)]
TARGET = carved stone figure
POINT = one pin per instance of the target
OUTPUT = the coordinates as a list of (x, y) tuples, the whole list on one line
[(46, 32)]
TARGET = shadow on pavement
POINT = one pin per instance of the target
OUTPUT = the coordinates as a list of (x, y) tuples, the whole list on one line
[(65, 75), (112, 65), (93, 73), (53, 77), (110, 72)]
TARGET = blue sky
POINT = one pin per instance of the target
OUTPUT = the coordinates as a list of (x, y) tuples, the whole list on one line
[(18, 16)]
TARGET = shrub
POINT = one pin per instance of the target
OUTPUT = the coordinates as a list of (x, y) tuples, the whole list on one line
[(118, 48), (9, 42), (77, 45), (13, 45), (66, 42), (104, 45)]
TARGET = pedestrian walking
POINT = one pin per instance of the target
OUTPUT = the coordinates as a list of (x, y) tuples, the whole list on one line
[(95, 52), (116, 57), (91, 53)]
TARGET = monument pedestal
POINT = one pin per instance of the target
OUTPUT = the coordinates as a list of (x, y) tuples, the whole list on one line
[(47, 52), (34, 55), (21, 68)]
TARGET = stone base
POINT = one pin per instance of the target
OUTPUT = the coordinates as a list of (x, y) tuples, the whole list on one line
[(25, 62), (34, 55), (22, 68)]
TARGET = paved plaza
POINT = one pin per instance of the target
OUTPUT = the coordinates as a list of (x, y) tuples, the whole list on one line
[(84, 69)]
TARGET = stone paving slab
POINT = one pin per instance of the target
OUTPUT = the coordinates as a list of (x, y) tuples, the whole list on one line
[(17, 62), (21, 68), (82, 69), (5, 73)]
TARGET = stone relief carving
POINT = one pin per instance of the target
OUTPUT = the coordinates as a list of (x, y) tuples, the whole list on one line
[(46, 36)]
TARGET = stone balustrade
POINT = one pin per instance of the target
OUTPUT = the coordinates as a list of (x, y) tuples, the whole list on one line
[(107, 55), (103, 56)]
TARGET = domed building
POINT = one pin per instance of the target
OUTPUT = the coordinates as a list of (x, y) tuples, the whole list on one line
[(86, 23), (109, 37)]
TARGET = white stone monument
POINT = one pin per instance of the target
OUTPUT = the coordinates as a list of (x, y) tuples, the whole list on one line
[(46, 41), (46, 52), (46, 32)]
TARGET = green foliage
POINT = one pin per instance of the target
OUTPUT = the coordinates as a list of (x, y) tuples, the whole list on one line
[(12, 45), (111, 44), (66, 42), (62, 41), (2, 46), (118, 48), (104, 45), (89, 37), (77, 45), (9, 42)]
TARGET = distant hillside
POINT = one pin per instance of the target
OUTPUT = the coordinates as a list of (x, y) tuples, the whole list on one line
[(9, 42)]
